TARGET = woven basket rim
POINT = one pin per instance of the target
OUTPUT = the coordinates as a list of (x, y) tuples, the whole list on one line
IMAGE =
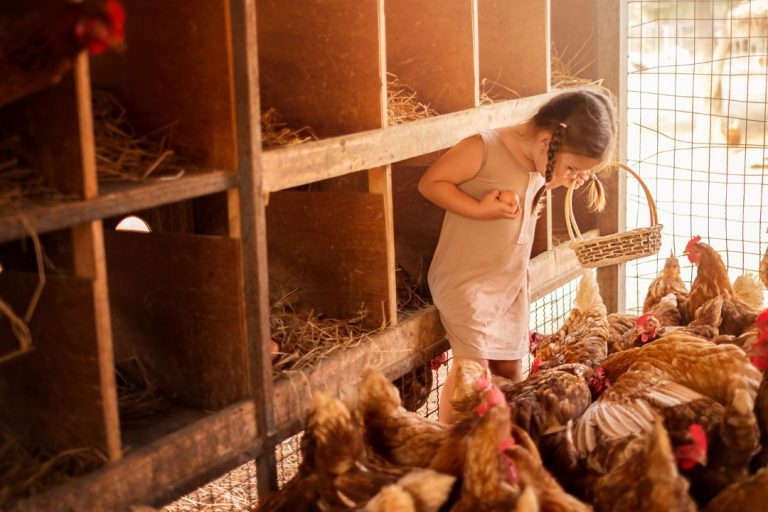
[(601, 240)]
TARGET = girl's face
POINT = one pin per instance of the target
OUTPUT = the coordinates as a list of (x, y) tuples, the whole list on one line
[(570, 168)]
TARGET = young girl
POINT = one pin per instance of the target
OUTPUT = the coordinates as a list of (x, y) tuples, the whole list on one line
[(489, 185)]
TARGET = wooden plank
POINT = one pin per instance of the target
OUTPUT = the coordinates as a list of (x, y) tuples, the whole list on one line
[(380, 182), (440, 69), (332, 248), (52, 395), (116, 199), (253, 232), (320, 63), (339, 373), (160, 472), (292, 166), (177, 70), (175, 304), (514, 47)]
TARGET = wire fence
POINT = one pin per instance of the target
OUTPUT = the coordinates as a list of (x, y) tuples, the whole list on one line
[(696, 111)]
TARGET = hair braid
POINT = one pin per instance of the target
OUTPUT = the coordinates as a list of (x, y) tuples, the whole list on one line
[(554, 146)]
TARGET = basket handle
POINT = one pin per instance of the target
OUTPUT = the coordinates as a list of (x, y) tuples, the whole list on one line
[(570, 219)]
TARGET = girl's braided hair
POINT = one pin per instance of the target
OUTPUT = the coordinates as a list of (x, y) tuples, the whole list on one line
[(582, 122)]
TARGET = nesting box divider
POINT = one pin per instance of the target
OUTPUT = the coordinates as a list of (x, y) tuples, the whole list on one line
[(176, 307)]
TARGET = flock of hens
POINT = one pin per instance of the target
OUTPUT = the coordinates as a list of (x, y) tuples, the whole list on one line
[(664, 411)]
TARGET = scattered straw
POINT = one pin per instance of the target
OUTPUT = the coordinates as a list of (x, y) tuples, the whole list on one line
[(565, 73), (138, 395), (402, 103), (25, 471), (120, 154), (305, 338), (409, 291), (491, 92), (275, 131), (20, 326)]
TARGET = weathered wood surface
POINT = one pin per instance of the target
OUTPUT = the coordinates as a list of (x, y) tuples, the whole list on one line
[(441, 70), (52, 394), (328, 251), (291, 166), (176, 305), (116, 199)]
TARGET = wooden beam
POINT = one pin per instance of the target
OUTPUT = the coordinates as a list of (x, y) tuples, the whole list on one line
[(253, 235), (292, 166), (116, 199), (380, 182)]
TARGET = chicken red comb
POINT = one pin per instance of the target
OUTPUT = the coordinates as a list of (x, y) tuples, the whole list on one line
[(535, 366), (116, 14), (698, 435), (693, 241), (642, 320), (495, 397)]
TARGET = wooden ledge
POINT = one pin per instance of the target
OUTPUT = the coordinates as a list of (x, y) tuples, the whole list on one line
[(301, 164), (115, 199)]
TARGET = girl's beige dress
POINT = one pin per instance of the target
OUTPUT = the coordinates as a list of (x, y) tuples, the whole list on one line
[(479, 274)]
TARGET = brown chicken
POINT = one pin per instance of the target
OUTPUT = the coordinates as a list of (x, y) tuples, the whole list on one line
[(668, 281), (649, 481), (664, 312), (705, 325), (500, 467), (747, 495), (619, 324), (691, 362), (759, 356), (712, 280), (750, 289), (764, 268), (421, 490), (542, 405), (583, 337), (401, 437), (40, 47)]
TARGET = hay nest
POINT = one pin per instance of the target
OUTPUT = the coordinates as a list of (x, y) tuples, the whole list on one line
[(305, 338), (275, 131), (138, 395), (403, 104), (412, 292), (491, 92), (26, 470), (121, 154)]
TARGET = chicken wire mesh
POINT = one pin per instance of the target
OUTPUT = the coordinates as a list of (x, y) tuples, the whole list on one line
[(236, 490), (696, 110)]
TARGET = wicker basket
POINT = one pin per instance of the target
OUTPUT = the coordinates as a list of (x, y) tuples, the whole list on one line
[(618, 247)]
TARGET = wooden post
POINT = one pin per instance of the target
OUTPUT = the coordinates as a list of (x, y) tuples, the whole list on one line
[(253, 232)]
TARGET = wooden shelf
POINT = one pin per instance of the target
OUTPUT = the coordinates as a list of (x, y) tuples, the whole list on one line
[(115, 199), (292, 166)]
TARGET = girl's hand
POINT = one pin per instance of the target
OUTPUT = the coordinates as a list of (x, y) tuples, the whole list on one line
[(499, 205), (577, 177)]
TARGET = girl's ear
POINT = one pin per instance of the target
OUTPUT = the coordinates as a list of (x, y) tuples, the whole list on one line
[(544, 138)]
